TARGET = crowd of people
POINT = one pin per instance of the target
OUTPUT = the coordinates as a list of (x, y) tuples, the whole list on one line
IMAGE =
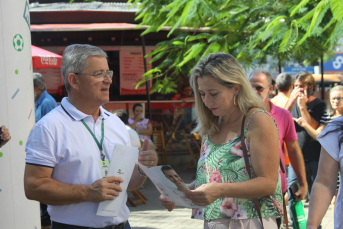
[(242, 178)]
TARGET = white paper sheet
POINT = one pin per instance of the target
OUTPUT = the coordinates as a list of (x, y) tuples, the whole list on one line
[(121, 165), (166, 187)]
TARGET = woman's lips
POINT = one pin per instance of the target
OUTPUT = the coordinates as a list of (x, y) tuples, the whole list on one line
[(213, 109)]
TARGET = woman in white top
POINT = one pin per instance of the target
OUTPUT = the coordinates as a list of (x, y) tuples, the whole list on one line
[(140, 124)]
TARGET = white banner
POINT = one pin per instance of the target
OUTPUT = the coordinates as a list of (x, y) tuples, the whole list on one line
[(17, 113)]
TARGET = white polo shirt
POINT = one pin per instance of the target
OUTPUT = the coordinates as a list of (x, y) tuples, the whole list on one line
[(60, 141)]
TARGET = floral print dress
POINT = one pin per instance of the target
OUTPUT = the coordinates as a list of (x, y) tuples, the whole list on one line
[(225, 164)]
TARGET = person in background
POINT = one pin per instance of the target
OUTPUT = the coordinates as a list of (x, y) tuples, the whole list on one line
[(335, 110), (284, 84), (141, 125), (324, 187), (67, 148), (135, 141), (4, 136), (134, 138), (303, 104), (261, 81), (44, 102), (223, 98)]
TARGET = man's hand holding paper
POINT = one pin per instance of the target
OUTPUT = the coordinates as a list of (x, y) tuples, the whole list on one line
[(104, 189)]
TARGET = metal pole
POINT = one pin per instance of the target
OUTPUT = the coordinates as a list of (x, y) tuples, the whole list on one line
[(146, 82), (322, 71)]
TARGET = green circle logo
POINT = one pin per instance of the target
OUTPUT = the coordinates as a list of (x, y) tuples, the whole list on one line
[(16, 71), (18, 42), (20, 142), (1, 154)]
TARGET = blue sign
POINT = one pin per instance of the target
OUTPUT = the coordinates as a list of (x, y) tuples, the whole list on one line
[(296, 70), (335, 65)]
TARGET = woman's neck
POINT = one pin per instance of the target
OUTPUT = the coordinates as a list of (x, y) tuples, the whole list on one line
[(338, 113), (232, 117)]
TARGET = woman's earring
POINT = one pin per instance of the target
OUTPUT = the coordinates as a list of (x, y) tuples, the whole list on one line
[(234, 100)]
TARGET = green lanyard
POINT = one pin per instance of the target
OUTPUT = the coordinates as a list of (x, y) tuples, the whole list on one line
[(96, 140)]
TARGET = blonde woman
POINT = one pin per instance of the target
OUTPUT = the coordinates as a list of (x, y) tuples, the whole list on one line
[(223, 98)]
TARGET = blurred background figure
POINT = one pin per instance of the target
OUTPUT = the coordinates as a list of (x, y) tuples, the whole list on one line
[(335, 110), (44, 102), (324, 187), (284, 84), (134, 138), (140, 124)]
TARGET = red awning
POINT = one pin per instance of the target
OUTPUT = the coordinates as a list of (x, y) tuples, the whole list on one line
[(82, 27), (45, 59)]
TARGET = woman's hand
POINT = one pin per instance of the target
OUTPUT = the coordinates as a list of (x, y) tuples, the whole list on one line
[(169, 205), (138, 118), (205, 195), (301, 121), (5, 135)]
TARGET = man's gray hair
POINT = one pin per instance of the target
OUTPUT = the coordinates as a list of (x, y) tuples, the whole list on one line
[(38, 80), (266, 73), (74, 59), (284, 81)]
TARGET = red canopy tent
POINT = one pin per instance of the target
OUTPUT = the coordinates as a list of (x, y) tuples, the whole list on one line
[(49, 65), (42, 58)]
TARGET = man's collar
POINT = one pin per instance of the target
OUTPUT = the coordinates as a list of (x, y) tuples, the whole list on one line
[(76, 114)]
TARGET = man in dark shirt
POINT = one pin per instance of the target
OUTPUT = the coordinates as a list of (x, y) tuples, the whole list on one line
[(303, 104)]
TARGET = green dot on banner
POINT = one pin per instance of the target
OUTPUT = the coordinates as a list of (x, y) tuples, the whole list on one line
[(16, 71), (20, 142), (1, 154)]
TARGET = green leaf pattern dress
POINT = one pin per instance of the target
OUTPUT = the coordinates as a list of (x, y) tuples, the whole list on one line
[(225, 164)]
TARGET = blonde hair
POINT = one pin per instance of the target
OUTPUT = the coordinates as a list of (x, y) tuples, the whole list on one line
[(330, 110), (227, 71)]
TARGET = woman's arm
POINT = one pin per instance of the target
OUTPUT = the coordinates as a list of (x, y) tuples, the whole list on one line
[(309, 129), (147, 131), (323, 189), (133, 125), (265, 161)]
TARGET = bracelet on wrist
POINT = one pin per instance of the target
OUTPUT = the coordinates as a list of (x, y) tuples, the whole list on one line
[(140, 173)]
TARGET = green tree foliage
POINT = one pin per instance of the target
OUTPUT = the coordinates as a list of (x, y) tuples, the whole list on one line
[(250, 30)]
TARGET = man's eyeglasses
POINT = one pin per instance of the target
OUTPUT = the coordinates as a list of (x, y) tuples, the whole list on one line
[(99, 75), (337, 98), (259, 88)]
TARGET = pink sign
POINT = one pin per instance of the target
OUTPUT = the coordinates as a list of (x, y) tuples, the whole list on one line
[(131, 71)]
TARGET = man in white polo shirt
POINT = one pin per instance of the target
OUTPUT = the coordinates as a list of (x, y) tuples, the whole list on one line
[(65, 147)]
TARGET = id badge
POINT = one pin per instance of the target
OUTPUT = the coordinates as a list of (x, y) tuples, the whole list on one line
[(104, 167)]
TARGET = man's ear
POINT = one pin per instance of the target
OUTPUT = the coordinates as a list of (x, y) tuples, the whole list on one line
[(73, 81), (270, 89)]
